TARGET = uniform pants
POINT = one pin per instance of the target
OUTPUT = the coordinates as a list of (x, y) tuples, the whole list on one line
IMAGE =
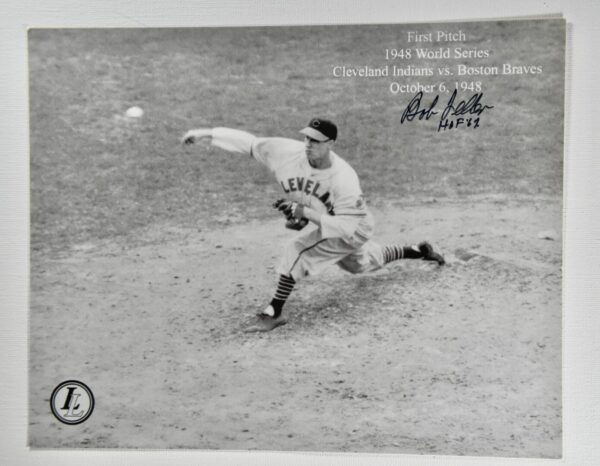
[(309, 254)]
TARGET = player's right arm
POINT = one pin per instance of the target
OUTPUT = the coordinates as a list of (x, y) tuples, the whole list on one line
[(272, 152), (231, 140)]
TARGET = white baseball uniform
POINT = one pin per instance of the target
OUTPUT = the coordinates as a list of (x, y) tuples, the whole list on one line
[(344, 237)]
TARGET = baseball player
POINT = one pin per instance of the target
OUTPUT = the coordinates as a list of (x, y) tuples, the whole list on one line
[(323, 198)]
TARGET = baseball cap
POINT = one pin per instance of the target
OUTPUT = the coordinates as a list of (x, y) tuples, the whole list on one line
[(320, 130)]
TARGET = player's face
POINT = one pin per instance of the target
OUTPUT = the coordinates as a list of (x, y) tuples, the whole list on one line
[(317, 152)]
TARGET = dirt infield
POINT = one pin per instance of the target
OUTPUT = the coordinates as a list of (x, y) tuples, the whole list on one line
[(463, 359)]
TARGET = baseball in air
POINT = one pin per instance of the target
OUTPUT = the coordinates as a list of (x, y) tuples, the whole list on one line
[(134, 112)]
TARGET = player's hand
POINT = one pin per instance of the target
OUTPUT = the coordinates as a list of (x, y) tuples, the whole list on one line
[(290, 209), (197, 135), (296, 224)]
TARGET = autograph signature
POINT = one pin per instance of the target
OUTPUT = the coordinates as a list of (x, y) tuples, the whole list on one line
[(471, 107)]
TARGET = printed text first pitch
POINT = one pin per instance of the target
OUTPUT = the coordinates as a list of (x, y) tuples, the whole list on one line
[(440, 36)]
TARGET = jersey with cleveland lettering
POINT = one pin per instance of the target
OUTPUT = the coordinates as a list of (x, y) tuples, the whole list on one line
[(334, 192)]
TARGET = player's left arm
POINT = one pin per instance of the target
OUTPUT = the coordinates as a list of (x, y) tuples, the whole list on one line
[(349, 211), (295, 210), (309, 214), (343, 225)]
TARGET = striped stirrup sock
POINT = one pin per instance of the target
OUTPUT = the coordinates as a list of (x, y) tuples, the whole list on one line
[(284, 288), (394, 253)]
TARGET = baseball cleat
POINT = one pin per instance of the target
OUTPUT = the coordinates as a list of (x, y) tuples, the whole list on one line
[(429, 254), (266, 322)]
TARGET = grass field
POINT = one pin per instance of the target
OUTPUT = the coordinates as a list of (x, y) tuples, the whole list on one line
[(96, 176), (152, 256)]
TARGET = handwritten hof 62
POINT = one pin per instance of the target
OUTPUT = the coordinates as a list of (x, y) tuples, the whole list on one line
[(441, 75), (72, 402)]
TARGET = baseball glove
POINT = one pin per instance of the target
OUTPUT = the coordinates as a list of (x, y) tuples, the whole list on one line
[(289, 209), (296, 223)]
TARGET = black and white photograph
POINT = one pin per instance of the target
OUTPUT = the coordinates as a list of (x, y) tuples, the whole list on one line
[(309, 238), (261, 232)]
